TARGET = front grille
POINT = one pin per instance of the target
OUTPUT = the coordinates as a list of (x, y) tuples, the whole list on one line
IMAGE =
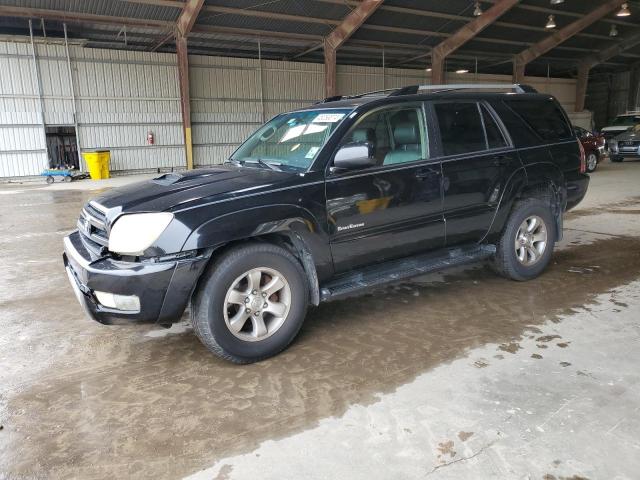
[(629, 144), (92, 224)]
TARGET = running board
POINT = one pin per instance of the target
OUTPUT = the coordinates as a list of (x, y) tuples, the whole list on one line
[(402, 269)]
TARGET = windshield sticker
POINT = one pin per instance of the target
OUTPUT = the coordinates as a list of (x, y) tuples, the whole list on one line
[(328, 118), (312, 151)]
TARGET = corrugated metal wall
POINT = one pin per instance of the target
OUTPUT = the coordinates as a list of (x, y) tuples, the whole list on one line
[(121, 95), (22, 143)]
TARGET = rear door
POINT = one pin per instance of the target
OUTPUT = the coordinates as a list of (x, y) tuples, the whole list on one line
[(477, 160), (392, 209)]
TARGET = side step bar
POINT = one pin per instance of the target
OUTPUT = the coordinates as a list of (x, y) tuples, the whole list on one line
[(394, 270)]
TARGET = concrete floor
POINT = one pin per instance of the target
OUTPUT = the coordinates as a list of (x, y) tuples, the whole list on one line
[(462, 375)]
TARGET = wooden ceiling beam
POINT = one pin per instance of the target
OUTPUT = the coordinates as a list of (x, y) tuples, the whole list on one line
[(540, 48)]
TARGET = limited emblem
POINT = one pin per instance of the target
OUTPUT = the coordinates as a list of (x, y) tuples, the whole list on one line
[(350, 226)]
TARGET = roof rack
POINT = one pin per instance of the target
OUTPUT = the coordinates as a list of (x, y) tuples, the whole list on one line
[(517, 87), (359, 95), (414, 89)]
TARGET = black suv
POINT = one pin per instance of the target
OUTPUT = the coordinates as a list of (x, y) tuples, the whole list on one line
[(328, 201)]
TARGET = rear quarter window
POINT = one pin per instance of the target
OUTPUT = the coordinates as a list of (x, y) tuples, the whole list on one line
[(544, 117)]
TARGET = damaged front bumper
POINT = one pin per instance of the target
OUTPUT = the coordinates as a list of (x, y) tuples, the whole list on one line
[(163, 288)]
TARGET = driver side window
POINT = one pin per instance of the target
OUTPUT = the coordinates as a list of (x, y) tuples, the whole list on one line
[(397, 134)]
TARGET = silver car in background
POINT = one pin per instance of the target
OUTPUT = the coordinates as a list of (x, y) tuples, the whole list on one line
[(625, 145)]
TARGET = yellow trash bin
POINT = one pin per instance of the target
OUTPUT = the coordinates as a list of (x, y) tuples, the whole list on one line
[(97, 163)]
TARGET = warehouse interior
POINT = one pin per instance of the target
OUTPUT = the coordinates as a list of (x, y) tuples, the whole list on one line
[(112, 70), (452, 375)]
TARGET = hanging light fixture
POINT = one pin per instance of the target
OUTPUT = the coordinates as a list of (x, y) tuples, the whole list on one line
[(462, 70), (551, 23), (477, 11), (428, 69), (613, 32), (556, 2), (624, 11)]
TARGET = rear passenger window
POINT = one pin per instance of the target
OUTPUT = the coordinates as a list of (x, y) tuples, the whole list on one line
[(544, 117), (460, 128), (495, 139)]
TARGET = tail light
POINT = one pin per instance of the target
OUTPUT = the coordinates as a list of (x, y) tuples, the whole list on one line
[(583, 159)]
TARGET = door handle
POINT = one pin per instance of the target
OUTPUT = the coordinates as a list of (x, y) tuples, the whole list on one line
[(422, 174)]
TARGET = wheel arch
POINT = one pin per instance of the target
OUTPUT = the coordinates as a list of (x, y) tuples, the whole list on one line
[(288, 226), (542, 180)]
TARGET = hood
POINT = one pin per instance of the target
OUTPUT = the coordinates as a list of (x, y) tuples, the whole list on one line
[(630, 135), (174, 191), (617, 128)]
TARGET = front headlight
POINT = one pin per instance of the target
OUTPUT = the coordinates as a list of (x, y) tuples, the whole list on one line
[(132, 234)]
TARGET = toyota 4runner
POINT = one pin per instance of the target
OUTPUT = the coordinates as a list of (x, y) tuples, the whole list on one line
[(329, 201)]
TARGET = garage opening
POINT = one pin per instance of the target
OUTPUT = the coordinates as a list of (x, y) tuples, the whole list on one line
[(62, 147)]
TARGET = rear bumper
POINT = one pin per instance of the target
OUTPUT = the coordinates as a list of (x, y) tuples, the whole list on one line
[(577, 186), (164, 288)]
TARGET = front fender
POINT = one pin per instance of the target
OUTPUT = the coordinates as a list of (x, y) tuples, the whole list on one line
[(259, 221)]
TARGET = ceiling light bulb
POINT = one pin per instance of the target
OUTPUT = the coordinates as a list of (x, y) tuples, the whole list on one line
[(613, 32), (556, 2), (462, 70), (624, 11), (477, 11), (551, 23), (429, 69)]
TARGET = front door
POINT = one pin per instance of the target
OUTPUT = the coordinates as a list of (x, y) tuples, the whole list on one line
[(394, 208), (477, 159)]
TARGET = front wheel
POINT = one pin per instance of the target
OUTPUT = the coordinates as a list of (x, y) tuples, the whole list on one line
[(251, 303), (592, 162), (526, 244)]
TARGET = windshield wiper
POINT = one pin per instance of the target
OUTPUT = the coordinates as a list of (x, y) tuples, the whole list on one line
[(270, 165)]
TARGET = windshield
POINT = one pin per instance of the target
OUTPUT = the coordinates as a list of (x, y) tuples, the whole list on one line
[(626, 120), (290, 140)]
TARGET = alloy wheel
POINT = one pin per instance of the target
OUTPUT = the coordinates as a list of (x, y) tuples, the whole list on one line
[(531, 240), (257, 304)]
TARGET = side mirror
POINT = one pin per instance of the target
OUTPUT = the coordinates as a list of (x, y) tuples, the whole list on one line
[(355, 155)]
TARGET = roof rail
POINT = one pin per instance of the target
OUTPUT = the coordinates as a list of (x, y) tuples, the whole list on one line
[(359, 95), (413, 89)]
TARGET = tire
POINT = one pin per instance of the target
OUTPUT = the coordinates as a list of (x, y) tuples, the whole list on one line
[(231, 280), (617, 159), (66, 179), (592, 162), (507, 261), (50, 180)]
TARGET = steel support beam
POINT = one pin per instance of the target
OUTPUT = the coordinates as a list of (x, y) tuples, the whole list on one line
[(188, 17), (600, 57), (341, 34), (185, 98), (534, 51), (77, 17), (462, 36), (581, 87)]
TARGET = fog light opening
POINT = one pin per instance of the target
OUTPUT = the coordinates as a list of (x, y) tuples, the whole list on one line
[(126, 303)]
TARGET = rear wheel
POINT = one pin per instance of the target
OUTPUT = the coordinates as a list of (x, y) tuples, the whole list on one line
[(251, 303), (50, 179), (526, 244), (592, 162)]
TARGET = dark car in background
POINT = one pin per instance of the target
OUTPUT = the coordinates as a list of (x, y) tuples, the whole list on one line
[(330, 201), (593, 145), (626, 144)]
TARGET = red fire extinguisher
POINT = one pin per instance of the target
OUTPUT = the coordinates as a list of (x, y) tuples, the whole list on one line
[(150, 139)]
